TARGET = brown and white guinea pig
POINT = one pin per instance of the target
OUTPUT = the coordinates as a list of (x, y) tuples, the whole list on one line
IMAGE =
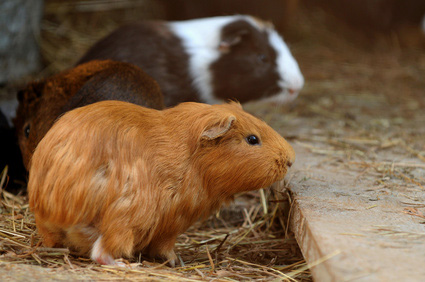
[(42, 102), (207, 60), (112, 178)]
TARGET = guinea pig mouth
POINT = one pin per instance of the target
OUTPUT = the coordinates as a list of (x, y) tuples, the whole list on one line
[(280, 169), (282, 96)]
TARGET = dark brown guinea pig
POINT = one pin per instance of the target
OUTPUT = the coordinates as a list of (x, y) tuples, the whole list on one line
[(112, 178), (42, 102), (207, 60)]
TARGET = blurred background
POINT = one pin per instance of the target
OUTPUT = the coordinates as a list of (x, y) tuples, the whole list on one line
[(329, 28), (359, 58)]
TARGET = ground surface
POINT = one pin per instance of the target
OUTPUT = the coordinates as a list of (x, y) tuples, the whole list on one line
[(358, 185)]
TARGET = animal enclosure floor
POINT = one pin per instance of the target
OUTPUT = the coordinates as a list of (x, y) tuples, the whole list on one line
[(358, 184), (369, 232)]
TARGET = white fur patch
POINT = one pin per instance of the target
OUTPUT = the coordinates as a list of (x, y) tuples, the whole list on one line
[(291, 77), (201, 38), (98, 254), (97, 249)]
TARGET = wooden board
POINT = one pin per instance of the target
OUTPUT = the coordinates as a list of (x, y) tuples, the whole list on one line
[(339, 212)]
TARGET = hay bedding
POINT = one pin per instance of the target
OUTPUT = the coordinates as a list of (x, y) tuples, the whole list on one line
[(240, 243)]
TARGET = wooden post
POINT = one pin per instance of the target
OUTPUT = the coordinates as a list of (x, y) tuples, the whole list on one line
[(19, 33)]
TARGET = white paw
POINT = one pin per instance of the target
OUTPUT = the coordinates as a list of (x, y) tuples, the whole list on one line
[(99, 255)]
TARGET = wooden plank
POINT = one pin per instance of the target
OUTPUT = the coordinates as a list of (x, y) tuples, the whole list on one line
[(338, 211)]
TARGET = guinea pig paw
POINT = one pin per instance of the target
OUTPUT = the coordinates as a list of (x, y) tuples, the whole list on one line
[(105, 260), (172, 263), (99, 255), (171, 257)]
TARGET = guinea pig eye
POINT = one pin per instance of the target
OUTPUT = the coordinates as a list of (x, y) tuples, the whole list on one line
[(27, 131), (262, 58), (253, 140)]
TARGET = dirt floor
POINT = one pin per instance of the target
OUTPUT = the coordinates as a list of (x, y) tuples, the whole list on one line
[(361, 111), (359, 124)]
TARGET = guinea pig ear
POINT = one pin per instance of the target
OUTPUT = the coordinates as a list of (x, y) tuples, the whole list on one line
[(31, 92), (236, 104), (233, 35), (218, 129)]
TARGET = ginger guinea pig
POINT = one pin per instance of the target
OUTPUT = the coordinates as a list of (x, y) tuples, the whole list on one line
[(207, 60), (112, 178), (42, 102)]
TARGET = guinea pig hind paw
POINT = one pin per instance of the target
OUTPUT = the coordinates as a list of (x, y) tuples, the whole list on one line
[(99, 255), (106, 260), (172, 263)]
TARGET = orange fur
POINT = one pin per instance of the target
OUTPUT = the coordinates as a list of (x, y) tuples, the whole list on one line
[(139, 177)]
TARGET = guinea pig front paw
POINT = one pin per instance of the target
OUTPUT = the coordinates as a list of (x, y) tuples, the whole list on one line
[(171, 257), (164, 250)]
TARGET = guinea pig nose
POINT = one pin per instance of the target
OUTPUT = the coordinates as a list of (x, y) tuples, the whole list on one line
[(290, 157), (292, 91), (289, 163)]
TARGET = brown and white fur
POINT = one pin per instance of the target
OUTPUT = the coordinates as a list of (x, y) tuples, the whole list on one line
[(207, 60), (113, 178)]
